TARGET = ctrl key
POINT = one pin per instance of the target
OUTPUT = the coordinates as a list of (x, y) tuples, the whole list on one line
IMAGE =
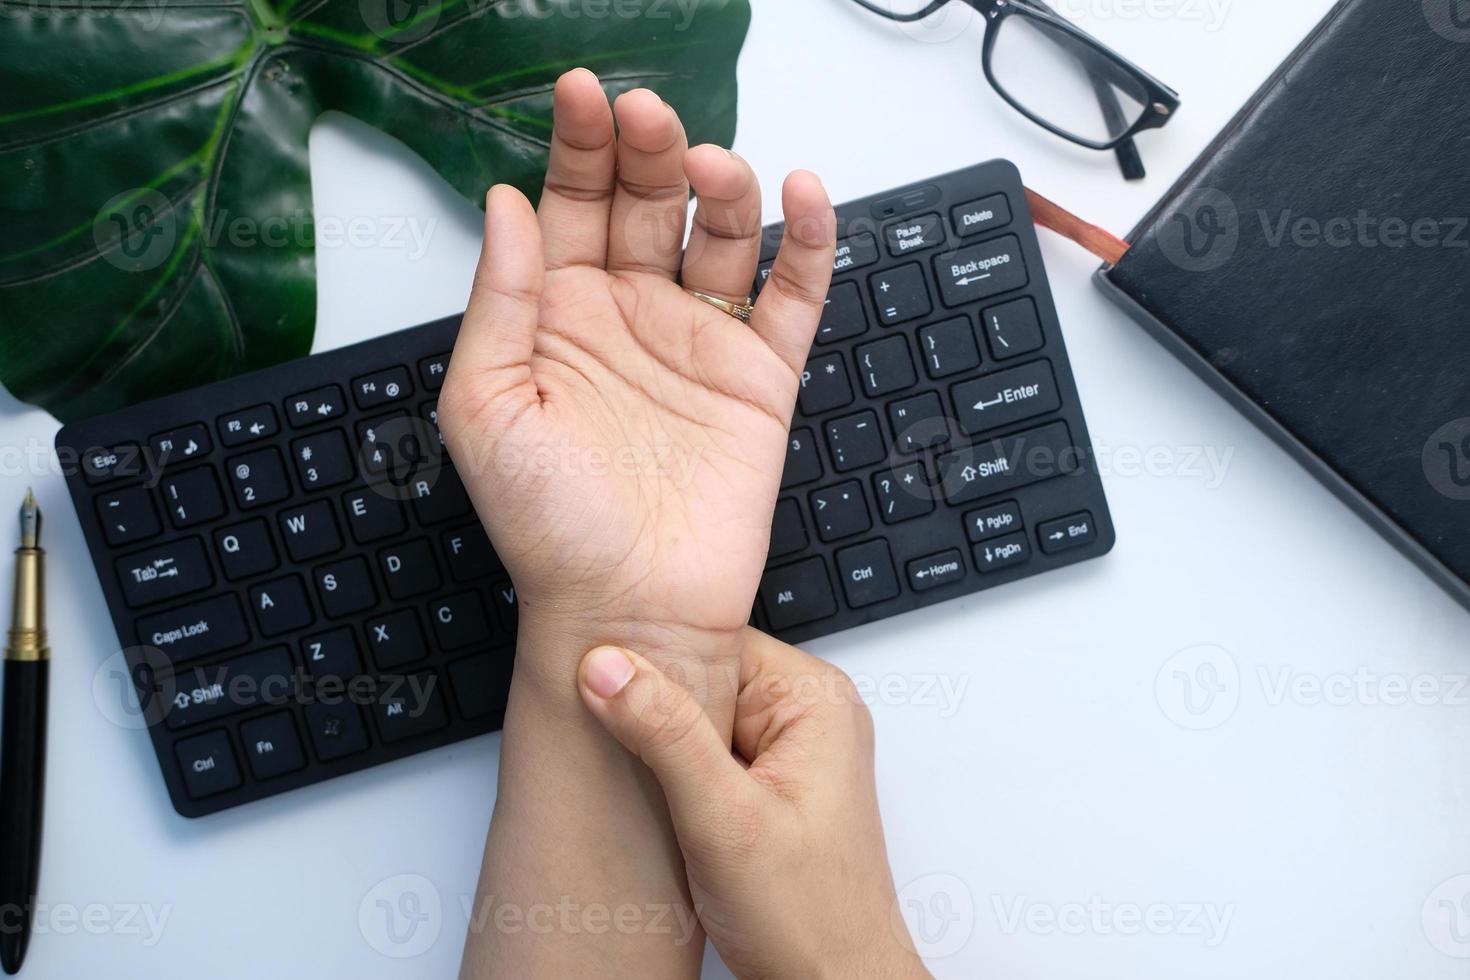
[(797, 594), (208, 764)]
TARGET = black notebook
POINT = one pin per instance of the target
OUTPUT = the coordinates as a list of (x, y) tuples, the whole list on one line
[(1314, 267)]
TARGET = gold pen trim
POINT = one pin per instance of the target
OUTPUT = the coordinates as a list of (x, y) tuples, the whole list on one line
[(26, 640)]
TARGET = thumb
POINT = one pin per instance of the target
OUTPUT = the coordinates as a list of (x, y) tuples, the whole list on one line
[(662, 723)]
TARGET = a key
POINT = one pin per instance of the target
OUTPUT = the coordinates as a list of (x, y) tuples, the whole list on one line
[(396, 639), (332, 654), (409, 706), (1006, 397), (323, 460), (439, 496), (345, 587), (503, 596), (1077, 531), (914, 234), (842, 316), (432, 371), (208, 764), (803, 464), (824, 385), (219, 690), (1002, 465), (280, 606), (935, 571), (258, 478), (99, 465), (979, 272), (857, 252), (372, 516), (193, 497), (919, 423), (311, 407), (797, 594), (949, 348), (196, 630), (977, 217), (994, 521), (163, 572), (409, 569), (855, 441), (247, 425), (310, 531), (886, 366), (127, 516), (179, 445), (459, 621), (469, 554), (245, 549), (381, 388), (481, 684), (336, 729), (900, 294), (272, 747), (840, 511), (788, 532), (903, 494), (1002, 553), (867, 575), (1013, 329)]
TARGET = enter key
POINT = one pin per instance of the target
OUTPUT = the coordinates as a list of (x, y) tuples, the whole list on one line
[(1005, 397)]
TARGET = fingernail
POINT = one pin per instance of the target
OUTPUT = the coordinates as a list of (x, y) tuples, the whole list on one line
[(608, 671)]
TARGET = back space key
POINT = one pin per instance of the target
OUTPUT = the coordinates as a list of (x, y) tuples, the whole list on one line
[(196, 630)]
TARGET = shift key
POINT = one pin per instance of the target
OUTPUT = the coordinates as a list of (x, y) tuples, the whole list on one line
[(1001, 465), (196, 630)]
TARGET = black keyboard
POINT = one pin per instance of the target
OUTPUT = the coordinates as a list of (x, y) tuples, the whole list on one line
[(302, 588)]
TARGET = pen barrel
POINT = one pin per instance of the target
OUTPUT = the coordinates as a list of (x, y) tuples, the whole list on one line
[(22, 788), (27, 637)]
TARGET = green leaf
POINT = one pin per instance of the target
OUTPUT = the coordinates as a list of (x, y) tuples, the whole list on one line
[(155, 196)]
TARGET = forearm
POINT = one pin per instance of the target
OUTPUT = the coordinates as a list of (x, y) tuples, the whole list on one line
[(582, 875)]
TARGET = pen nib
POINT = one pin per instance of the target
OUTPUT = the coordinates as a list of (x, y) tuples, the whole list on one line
[(30, 522)]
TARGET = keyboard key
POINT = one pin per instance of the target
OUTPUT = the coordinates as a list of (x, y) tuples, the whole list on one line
[(127, 516), (381, 388), (459, 621), (992, 522), (900, 294), (272, 747), (197, 630), (919, 423), (323, 460), (949, 348), (914, 234), (1002, 553), (179, 445), (886, 366), (797, 594), (247, 425), (507, 608), (1006, 397), (310, 531), (469, 554), (409, 706), (432, 371), (856, 252), (101, 465), (378, 455), (319, 405), (245, 549), (345, 587), (440, 497), (218, 690), (824, 385), (332, 654), (396, 639), (788, 532), (936, 571), (372, 516), (258, 478), (336, 729), (1077, 531), (802, 462), (193, 497), (843, 316), (903, 494), (840, 511), (978, 217), (1002, 465), (208, 764), (867, 575), (280, 606), (164, 572), (409, 569), (482, 684), (1013, 329), (980, 271), (855, 441)]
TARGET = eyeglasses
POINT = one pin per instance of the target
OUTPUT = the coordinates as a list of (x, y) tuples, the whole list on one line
[(1058, 76)]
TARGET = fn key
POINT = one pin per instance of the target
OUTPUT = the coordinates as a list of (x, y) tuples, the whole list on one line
[(797, 594)]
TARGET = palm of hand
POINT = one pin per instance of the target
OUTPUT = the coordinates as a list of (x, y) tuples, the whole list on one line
[(641, 481)]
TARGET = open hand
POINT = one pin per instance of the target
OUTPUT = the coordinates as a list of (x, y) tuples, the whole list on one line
[(622, 440)]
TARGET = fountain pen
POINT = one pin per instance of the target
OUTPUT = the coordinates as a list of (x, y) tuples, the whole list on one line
[(23, 743)]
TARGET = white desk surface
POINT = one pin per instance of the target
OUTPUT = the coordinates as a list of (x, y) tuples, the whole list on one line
[(1036, 779)]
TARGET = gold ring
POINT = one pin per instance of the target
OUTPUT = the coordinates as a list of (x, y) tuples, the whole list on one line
[(740, 311)]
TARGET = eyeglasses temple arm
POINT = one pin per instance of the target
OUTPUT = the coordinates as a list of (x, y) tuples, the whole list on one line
[(1129, 160)]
